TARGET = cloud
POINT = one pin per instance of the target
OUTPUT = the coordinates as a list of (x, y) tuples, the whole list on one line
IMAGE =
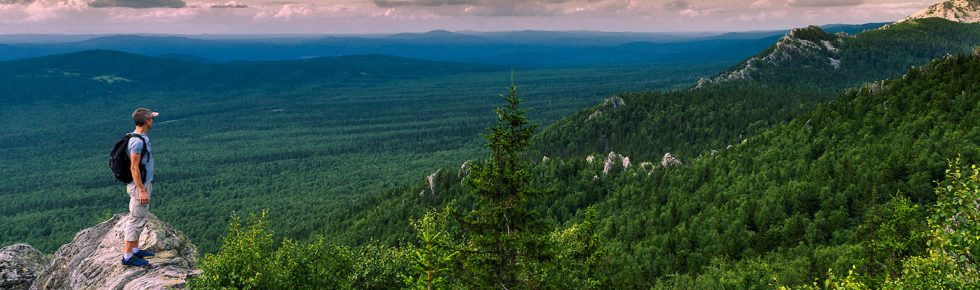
[(506, 8), (139, 4), (824, 3), (677, 5), (12, 2), (424, 3), (285, 12), (231, 4)]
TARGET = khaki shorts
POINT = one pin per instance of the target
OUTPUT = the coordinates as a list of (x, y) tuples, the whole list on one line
[(137, 212)]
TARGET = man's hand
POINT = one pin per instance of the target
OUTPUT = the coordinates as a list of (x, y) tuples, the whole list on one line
[(144, 197)]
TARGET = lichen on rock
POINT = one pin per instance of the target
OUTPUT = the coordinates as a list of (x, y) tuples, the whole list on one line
[(19, 265)]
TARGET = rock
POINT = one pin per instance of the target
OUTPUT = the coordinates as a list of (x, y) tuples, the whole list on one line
[(612, 159), (615, 102), (19, 265), (92, 259), (966, 11), (802, 43), (649, 167), (432, 182), (612, 103), (670, 160), (607, 166), (835, 63), (464, 169)]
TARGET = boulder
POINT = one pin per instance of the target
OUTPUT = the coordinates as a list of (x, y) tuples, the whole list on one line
[(611, 161), (92, 259), (670, 160), (19, 265)]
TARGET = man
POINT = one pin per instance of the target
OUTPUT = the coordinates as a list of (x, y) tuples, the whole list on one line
[(139, 191)]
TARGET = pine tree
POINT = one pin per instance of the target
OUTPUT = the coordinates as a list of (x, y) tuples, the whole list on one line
[(506, 239)]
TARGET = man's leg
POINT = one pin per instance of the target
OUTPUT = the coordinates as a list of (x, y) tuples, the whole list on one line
[(137, 219)]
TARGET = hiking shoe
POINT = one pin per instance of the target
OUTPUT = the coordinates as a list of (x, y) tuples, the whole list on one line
[(135, 261), (144, 254)]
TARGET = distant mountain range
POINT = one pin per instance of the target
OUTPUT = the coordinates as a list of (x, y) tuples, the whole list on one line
[(503, 48)]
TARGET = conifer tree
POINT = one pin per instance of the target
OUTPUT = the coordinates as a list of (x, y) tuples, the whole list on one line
[(506, 240)]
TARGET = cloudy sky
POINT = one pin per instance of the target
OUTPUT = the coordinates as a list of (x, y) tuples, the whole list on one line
[(387, 16)]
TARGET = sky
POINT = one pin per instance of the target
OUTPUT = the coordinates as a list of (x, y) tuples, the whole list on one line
[(393, 16)]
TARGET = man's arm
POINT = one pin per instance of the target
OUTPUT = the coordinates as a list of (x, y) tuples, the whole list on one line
[(134, 167)]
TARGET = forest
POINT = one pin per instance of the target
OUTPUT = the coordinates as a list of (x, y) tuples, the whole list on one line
[(825, 161), (234, 137), (843, 197)]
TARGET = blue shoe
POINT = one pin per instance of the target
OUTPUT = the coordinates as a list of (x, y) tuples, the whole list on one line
[(144, 254), (135, 261)]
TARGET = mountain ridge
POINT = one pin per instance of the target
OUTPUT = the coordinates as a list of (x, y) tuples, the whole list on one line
[(965, 11)]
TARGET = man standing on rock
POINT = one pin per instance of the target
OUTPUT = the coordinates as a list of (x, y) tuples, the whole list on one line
[(139, 191)]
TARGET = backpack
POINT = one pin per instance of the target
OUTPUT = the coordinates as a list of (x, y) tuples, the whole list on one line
[(119, 159)]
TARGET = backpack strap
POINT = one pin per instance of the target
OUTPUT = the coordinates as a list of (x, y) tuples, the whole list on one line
[(145, 151), (131, 135)]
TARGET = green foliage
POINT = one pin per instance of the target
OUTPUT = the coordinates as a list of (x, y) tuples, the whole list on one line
[(319, 144), (505, 239), (849, 282), (248, 259), (243, 260), (891, 232), (580, 260), (690, 123), (434, 256), (954, 242)]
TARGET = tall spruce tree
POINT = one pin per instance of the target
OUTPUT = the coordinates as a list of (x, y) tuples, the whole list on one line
[(506, 240)]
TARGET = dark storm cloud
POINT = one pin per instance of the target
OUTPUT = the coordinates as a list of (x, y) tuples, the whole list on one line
[(824, 3), (139, 4)]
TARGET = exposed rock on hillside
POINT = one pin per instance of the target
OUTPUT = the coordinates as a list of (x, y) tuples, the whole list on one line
[(432, 183), (92, 259), (612, 160), (464, 169), (801, 44), (670, 160), (19, 265), (609, 104), (966, 11)]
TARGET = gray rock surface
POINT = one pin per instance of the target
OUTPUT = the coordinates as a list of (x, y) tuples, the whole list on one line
[(19, 264), (432, 182), (670, 160), (92, 259), (966, 11)]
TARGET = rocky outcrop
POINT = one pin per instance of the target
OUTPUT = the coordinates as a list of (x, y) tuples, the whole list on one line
[(810, 43), (464, 169), (966, 11), (19, 265), (670, 160), (609, 104), (92, 259), (612, 160), (432, 182)]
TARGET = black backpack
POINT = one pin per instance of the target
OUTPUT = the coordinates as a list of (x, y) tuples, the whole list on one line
[(119, 159)]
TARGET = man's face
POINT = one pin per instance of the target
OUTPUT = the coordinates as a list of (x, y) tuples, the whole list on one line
[(149, 122)]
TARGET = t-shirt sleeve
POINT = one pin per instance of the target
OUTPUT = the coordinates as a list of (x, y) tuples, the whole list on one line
[(135, 146)]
